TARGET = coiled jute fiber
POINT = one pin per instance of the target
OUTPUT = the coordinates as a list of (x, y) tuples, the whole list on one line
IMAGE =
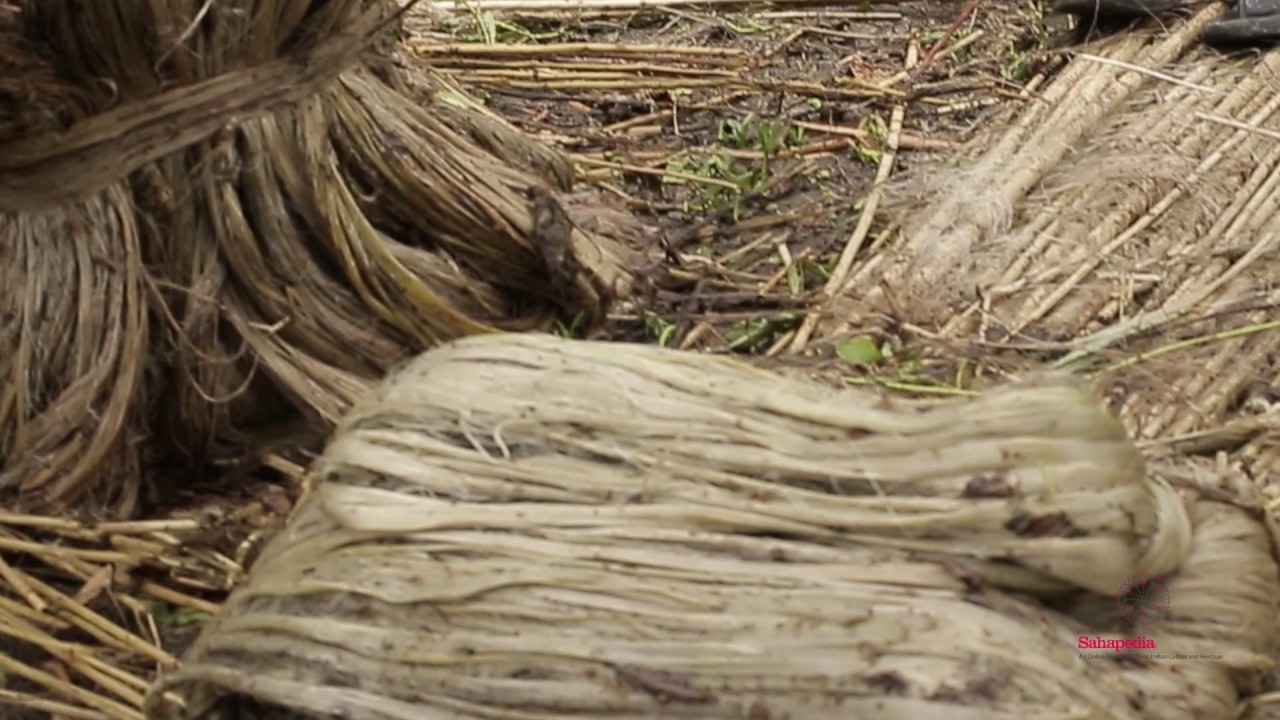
[(530, 527), (220, 219)]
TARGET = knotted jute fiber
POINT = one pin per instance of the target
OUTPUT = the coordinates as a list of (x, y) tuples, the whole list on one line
[(222, 219), (526, 526)]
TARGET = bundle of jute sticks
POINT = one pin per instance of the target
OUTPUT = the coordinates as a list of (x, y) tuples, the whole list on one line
[(526, 526), (1126, 222)]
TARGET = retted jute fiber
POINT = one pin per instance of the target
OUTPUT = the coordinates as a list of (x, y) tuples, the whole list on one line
[(218, 218), (1124, 222), (530, 527)]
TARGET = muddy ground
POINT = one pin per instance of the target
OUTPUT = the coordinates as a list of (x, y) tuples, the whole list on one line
[(750, 137)]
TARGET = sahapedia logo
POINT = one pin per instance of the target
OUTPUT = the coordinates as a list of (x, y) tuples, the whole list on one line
[(1143, 600)]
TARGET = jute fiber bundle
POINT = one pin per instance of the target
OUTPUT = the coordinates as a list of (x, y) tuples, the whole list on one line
[(217, 218), (530, 527), (1128, 216)]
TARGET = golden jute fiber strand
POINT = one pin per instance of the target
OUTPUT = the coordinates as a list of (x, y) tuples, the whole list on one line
[(528, 526)]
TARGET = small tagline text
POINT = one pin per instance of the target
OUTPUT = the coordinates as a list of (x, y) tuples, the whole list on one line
[(1154, 656)]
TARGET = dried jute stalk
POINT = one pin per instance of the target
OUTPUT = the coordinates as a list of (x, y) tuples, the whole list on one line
[(1125, 222)]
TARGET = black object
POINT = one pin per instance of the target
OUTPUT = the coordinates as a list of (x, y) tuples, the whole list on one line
[(1115, 8), (1249, 22)]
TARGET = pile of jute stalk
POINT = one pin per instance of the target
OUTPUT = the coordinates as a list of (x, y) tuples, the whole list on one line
[(219, 218), (1124, 222), (1105, 113), (526, 526)]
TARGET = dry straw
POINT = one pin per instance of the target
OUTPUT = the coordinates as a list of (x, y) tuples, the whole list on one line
[(527, 527), (218, 216), (1125, 222)]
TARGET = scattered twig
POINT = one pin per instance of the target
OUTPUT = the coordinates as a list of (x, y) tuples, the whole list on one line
[(906, 141), (961, 18), (640, 169), (1190, 343), (1238, 124), (575, 49), (1148, 72), (575, 6), (836, 283)]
